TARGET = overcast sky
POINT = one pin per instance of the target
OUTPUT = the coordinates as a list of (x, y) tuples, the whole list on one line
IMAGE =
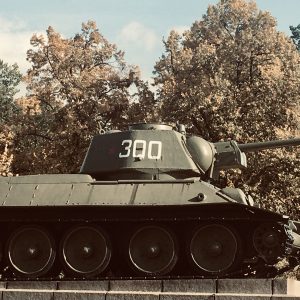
[(136, 26)]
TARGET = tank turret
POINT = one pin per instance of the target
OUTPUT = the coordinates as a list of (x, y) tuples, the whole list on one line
[(157, 152), (145, 151)]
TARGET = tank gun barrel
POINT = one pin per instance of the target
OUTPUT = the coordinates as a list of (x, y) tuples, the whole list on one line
[(213, 157), (251, 147)]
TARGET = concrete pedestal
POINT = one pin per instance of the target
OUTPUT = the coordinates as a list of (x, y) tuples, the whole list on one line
[(185, 289)]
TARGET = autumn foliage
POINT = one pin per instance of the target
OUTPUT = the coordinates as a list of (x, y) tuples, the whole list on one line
[(9, 79), (76, 87)]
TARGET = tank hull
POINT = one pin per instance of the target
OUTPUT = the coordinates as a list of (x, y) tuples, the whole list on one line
[(151, 229)]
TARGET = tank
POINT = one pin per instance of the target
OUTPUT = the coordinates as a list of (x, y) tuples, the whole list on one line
[(143, 206)]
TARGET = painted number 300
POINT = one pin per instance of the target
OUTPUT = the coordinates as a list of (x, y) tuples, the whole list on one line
[(141, 149)]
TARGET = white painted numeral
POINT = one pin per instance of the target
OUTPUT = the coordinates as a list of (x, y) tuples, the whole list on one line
[(150, 150), (127, 148), (139, 149), (139, 146)]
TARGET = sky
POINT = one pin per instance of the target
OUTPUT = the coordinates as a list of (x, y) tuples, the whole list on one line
[(138, 27)]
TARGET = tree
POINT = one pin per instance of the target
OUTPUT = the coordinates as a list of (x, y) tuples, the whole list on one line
[(232, 75), (144, 105), (296, 35), (6, 156), (76, 87), (10, 78)]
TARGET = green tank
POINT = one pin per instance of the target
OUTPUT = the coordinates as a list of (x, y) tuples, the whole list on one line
[(143, 207)]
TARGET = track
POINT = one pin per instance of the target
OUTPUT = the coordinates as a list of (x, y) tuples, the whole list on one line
[(147, 243)]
